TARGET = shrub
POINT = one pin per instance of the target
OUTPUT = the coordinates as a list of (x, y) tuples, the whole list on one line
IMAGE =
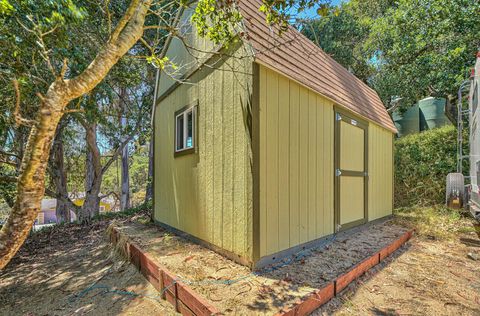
[(422, 162)]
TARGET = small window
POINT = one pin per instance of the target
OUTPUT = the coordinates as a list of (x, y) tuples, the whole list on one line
[(185, 130)]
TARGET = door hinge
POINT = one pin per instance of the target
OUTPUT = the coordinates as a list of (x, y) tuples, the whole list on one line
[(339, 227), (339, 117)]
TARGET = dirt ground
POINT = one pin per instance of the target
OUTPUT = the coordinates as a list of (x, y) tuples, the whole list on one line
[(53, 272), (71, 271), (234, 290), (430, 277)]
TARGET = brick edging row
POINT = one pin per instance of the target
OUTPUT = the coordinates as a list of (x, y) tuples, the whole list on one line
[(182, 297), (333, 288), (187, 302)]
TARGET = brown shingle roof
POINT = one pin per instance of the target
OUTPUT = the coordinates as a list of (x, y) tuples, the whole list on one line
[(295, 56)]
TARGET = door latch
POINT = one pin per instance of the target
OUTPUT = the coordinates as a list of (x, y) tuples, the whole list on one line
[(338, 172)]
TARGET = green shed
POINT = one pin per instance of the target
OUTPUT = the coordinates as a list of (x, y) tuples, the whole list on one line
[(268, 146)]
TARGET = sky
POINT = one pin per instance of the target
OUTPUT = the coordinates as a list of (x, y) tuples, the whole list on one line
[(312, 13)]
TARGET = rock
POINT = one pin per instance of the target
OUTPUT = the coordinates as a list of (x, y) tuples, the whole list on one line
[(473, 256)]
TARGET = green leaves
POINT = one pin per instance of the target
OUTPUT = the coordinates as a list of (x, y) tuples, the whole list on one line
[(405, 48), (5, 7), (216, 20), (422, 162), (425, 46)]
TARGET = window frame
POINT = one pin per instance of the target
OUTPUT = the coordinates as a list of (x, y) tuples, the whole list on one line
[(192, 108), (475, 96)]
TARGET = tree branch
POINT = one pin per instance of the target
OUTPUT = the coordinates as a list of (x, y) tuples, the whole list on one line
[(19, 120), (108, 194), (6, 162), (8, 179), (124, 20), (9, 154), (117, 153), (64, 199)]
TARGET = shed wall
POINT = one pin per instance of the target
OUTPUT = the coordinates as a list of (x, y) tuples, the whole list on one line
[(380, 165), (184, 59), (296, 198), (296, 164), (209, 194)]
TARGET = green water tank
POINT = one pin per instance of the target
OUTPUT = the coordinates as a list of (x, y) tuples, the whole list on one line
[(407, 122), (432, 113)]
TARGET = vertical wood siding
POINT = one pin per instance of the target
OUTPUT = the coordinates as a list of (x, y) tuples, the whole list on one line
[(209, 194), (380, 185), (296, 164), (184, 60)]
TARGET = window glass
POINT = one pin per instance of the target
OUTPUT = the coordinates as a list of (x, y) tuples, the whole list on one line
[(185, 130), (180, 129), (189, 142)]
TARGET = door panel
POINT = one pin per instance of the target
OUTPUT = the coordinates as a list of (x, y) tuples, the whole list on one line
[(351, 172), (351, 199), (352, 147)]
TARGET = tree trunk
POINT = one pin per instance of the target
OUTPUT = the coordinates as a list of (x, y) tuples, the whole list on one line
[(125, 178), (62, 211), (31, 182), (93, 178), (149, 193)]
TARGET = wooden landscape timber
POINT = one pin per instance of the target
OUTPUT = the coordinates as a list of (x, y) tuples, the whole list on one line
[(187, 302)]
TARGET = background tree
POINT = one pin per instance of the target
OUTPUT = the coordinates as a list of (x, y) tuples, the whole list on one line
[(424, 47), (410, 49), (70, 81)]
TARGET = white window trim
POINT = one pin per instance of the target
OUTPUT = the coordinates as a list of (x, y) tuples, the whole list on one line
[(192, 110)]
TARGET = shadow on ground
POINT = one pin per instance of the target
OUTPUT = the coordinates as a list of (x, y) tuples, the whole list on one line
[(53, 273), (429, 277)]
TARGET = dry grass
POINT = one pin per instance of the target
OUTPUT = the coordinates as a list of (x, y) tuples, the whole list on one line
[(435, 222)]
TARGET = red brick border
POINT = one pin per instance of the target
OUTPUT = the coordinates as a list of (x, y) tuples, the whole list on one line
[(187, 302)]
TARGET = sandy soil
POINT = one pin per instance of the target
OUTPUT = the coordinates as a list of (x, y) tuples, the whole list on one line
[(429, 278), (234, 290), (51, 273)]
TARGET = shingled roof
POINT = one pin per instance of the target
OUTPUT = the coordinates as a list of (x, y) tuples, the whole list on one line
[(295, 56)]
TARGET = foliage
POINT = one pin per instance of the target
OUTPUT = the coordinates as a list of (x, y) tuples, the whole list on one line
[(218, 20), (422, 162), (424, 47), (4, 210), (410, 49), (437, 222), (138, 165), (141, 210)]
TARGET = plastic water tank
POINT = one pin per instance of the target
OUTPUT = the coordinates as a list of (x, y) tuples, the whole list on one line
[(432, 113), (407, 122)]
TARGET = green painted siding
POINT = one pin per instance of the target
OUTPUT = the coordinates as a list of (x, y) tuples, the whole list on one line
[(296, 164), (380, 165), (185, 60), (209, 194)]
